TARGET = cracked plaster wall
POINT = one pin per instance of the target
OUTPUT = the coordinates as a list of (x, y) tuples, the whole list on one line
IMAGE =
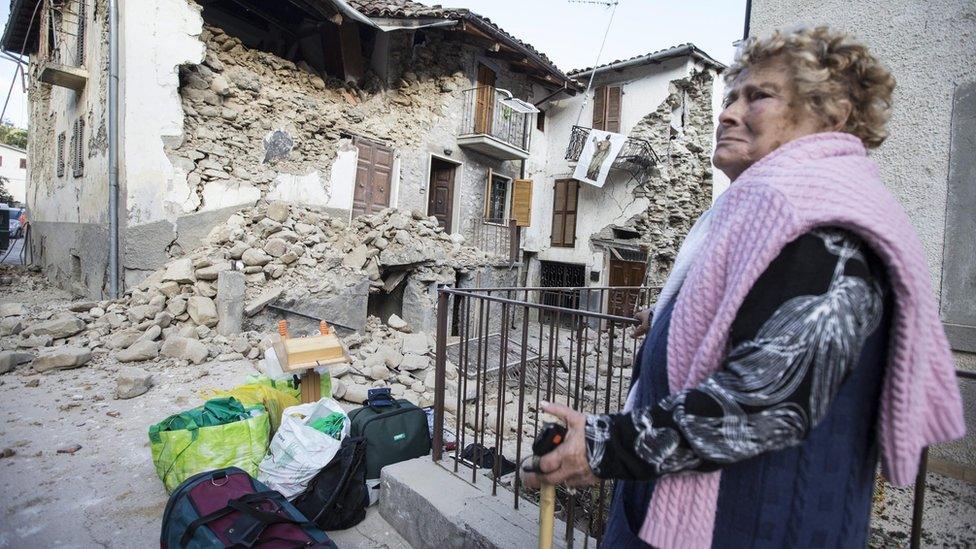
[(69, 212)]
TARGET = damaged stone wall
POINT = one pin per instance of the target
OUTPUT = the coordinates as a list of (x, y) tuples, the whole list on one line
[(257, 124), (680, 188)]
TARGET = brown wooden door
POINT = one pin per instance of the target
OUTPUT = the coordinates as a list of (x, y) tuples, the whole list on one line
[(485, 100), (624, 273), (374, 173), (440, 196)]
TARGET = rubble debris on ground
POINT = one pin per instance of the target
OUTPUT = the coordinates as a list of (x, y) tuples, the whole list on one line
[(183, 314)]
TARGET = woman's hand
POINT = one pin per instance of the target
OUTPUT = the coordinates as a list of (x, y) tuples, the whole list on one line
[(645, 322), (568, 463)]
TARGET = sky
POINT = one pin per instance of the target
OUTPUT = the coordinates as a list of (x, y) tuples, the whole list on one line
[(17, 106), (568, 31)]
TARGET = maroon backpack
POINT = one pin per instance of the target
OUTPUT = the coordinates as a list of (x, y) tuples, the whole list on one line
[(229, 508)]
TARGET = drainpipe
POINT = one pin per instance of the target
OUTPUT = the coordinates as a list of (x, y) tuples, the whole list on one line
[(113, 148)]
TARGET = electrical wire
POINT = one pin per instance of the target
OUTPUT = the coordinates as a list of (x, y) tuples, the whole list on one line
[(599, 55)]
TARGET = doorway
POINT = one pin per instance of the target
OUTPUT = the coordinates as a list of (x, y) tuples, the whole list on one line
[(624, 273), (440, 193), (374, 175)]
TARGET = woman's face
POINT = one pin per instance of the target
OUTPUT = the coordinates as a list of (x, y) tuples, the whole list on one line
[(761, 113)]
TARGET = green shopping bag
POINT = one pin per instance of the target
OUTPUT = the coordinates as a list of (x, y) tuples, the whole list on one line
[(221, 433)]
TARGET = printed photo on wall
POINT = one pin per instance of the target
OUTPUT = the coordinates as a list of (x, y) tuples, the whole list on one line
[(599, 152)]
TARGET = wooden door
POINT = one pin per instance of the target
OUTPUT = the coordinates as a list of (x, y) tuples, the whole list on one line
[(624, 273), (440, 196), (374, 173), (485, 100)]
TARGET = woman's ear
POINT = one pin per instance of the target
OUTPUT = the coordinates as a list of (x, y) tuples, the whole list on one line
[(842, 115)]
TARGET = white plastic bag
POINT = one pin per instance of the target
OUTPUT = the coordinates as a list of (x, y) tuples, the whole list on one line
[(298, 452)]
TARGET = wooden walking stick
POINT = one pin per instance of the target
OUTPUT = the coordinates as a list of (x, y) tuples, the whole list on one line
[(551, 436)]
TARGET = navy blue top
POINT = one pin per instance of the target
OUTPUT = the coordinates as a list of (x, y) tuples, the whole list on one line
[(817, 493)]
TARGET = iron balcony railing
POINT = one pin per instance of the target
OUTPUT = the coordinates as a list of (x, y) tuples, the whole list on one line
[(499, 237), (485, 114), (510, 349), (66, 39), (636, 157)]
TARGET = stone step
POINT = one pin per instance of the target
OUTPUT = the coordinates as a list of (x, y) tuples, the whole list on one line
[(432, 508)]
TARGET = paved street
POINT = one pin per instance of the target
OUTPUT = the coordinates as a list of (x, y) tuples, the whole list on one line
[(14, 255)]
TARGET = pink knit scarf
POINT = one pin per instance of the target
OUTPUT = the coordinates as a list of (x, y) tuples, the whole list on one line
[(819, 180)]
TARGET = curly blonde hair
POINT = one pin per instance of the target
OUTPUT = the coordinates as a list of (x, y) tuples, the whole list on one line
[(827, 68)]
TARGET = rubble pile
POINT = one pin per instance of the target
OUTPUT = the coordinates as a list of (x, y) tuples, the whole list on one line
[(180, 314)]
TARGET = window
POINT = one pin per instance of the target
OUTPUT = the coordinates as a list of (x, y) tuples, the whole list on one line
[(540, 121), (60, 165), (78, 148), (496, 201), (23, 163), (565, 195), (1, 161), (606, 108)]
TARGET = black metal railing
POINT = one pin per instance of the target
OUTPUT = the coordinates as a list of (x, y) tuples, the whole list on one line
[(485, 114), (499, 237), (636, 157), (512, 351)]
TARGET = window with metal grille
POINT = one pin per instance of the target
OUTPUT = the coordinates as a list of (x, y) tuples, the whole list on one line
[(61, 140), (540, 120), (564, 210), (78, 148), (82, 27)]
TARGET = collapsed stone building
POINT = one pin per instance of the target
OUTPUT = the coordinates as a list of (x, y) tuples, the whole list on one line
[(349, 108)]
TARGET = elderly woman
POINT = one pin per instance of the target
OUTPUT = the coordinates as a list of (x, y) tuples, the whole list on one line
[(804, 340)]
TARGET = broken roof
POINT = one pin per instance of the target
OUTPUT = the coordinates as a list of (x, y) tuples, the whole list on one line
[(408, 9), (673, 52), (15, 35)]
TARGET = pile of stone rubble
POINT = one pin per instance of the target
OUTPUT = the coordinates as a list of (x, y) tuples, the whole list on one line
[(188, 313)]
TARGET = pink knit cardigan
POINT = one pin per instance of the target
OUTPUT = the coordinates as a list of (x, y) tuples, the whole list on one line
[(820, 180)]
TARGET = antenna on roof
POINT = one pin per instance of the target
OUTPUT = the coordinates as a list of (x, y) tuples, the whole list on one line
[(610, 4)]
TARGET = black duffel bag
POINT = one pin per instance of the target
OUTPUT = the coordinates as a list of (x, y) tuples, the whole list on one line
[(336, 498)]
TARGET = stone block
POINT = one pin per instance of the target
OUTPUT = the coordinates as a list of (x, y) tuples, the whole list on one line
[(132, 382), (230, 302), (56, 328), (62, 358), (202, 310)]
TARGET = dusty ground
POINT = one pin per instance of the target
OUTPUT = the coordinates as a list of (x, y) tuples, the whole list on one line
[(107, 493)]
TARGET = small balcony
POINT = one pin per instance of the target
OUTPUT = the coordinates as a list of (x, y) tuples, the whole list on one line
[(495, 124), (636, 157), (63, 48)]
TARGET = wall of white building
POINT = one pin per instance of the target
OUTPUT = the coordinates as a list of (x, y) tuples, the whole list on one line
[(644, 88), (16, 176)]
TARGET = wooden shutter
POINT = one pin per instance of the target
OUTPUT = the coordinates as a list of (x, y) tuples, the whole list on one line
[(572, 196), (82, 29), (613, 109), (61, 142), (522, 202), (487, 196), (565, 197), (599, 108)]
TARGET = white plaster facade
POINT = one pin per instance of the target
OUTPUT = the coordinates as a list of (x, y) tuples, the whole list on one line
[(13, 168)]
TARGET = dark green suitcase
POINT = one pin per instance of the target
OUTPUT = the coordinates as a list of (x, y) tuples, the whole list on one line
[(393, 434)]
